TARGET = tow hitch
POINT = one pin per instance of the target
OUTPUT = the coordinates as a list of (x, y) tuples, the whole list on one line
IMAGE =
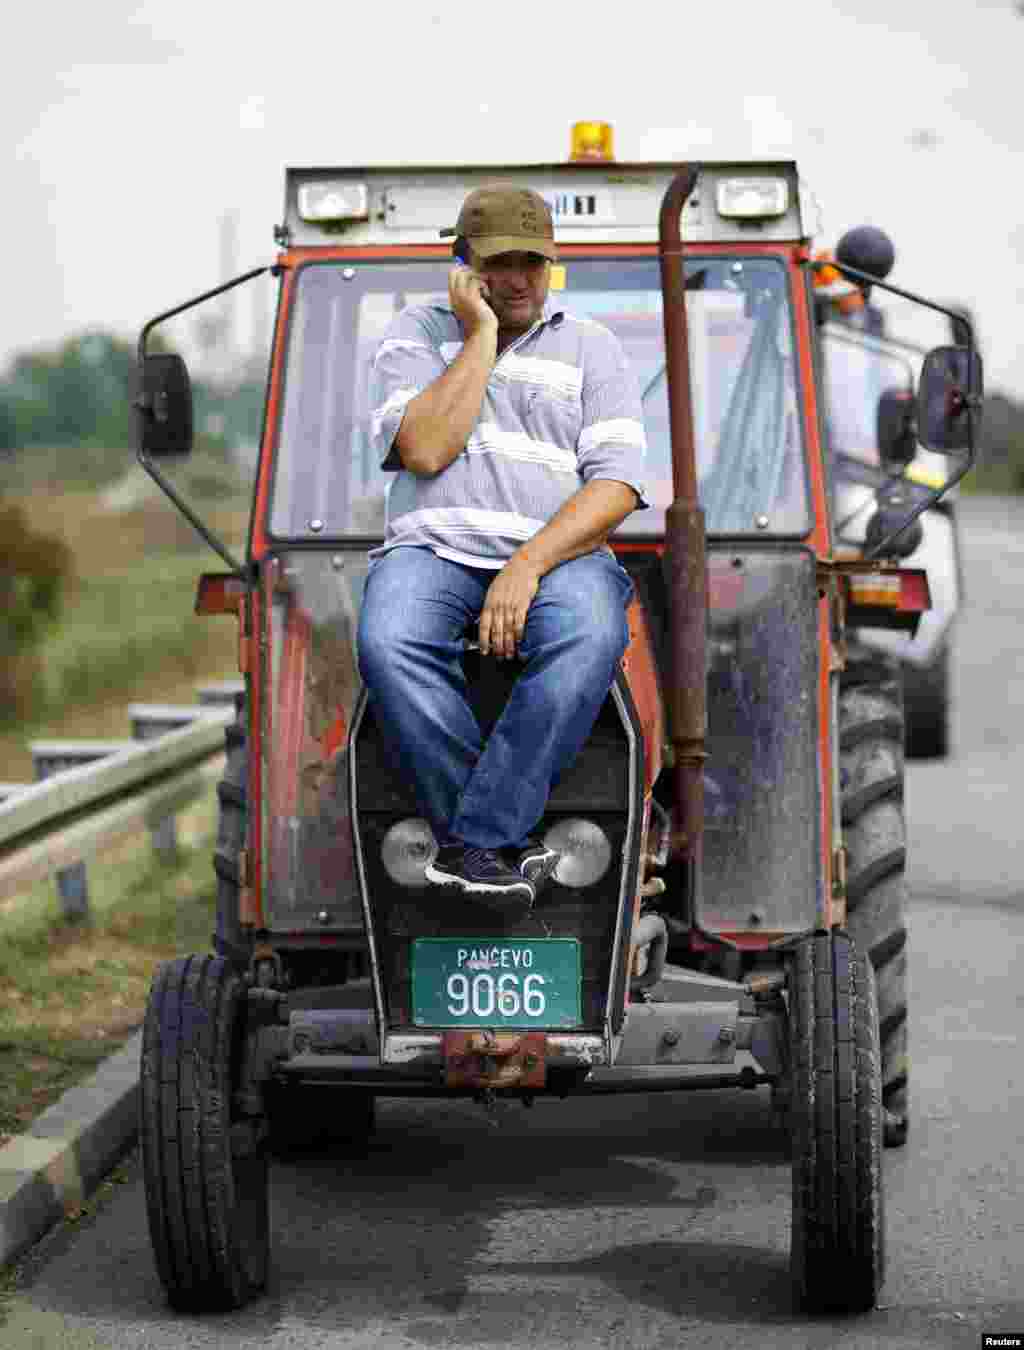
[(488, 1059)]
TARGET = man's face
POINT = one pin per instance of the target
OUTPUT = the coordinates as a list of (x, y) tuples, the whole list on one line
[(518, 285)]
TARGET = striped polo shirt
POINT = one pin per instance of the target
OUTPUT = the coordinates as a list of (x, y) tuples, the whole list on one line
[(561, 409)]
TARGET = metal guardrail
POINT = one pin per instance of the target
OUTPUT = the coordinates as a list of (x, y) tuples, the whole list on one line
[(88, 794)]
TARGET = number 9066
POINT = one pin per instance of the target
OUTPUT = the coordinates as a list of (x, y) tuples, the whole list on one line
[(507, 996)]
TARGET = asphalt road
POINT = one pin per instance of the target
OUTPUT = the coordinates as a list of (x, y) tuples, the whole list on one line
[(658, 1221)]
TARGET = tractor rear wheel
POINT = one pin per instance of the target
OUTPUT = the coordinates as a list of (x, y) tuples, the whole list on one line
[(204, 1164), (838, 1246), (875, 837)]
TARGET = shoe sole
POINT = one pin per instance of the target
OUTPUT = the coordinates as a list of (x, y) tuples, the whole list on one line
[(523, 893)]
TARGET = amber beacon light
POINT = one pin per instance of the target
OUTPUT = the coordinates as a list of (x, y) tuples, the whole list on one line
[(591, 140)]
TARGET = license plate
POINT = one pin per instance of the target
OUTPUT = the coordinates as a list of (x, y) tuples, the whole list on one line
[(465, 982)]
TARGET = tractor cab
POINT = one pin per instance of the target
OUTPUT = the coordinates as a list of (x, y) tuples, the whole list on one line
[(702, 921)]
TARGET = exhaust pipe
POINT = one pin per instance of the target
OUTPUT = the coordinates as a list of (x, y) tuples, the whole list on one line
[(686, 566)]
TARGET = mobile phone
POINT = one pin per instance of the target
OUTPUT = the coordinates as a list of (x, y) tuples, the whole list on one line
[(468, 267)]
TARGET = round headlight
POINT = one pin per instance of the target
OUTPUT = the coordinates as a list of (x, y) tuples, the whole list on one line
[(585, 848), (406, 850)]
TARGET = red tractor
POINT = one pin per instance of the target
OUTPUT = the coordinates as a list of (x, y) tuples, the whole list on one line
[(703, 928)]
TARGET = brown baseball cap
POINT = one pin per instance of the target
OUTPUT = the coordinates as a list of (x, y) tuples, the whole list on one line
[(504, 218)]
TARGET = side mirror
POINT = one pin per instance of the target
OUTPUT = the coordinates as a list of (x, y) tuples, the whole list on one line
[(949, 399), (895, 428), (165, 406)]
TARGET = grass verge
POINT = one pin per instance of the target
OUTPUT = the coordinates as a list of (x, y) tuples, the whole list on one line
[(130, 621), (128, 630), (70, 995)]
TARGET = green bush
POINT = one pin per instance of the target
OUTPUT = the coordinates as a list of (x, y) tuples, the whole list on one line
[(61, 409), (124, 625), (34, 573)]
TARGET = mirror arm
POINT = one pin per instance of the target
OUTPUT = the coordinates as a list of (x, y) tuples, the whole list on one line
[(921, 507), (144, 406), (209, 537), (971, 399), (866, 279), (198, 300), (958, 317)]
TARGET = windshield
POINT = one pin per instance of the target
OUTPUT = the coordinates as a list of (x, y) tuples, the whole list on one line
[(745, 402)]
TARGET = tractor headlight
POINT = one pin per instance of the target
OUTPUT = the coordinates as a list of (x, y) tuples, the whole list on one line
[(752, 198), (406, 849), (334, 199), (585, 848)]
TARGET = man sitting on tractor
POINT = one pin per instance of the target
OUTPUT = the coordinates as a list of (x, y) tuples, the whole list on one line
[(515, 434)]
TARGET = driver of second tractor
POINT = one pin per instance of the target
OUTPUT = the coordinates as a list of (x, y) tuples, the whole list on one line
[(515, 434)]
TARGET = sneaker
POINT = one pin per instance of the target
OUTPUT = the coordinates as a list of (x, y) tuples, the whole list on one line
[(481, 874), (535, 861)]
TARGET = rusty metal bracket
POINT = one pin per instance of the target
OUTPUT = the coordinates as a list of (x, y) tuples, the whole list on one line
[(840, 565), (495, 1059), (897, 601)]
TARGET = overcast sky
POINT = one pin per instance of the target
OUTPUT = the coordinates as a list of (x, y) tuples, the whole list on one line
[(135, 127)]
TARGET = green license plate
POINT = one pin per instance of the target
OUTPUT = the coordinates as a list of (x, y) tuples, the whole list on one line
[(516, 983)]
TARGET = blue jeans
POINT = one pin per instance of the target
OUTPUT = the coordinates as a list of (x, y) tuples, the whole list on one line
[(416, 610)]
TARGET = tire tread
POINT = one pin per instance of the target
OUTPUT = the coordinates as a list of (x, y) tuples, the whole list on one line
[(838, 1256), (871, 733), (194, 1187)]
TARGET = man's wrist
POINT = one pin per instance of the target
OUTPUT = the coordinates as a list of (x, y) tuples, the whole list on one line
[(485, 330), (528, 563)]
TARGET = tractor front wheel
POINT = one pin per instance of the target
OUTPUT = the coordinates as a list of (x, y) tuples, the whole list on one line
[(838, 1246), (204, 1164)]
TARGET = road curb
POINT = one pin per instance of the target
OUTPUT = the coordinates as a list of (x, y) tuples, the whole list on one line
[(53, 1168)]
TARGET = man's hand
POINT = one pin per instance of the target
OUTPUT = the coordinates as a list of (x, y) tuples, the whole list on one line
[(468, 294), (506, 605), (579, 526), (439, 421)]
